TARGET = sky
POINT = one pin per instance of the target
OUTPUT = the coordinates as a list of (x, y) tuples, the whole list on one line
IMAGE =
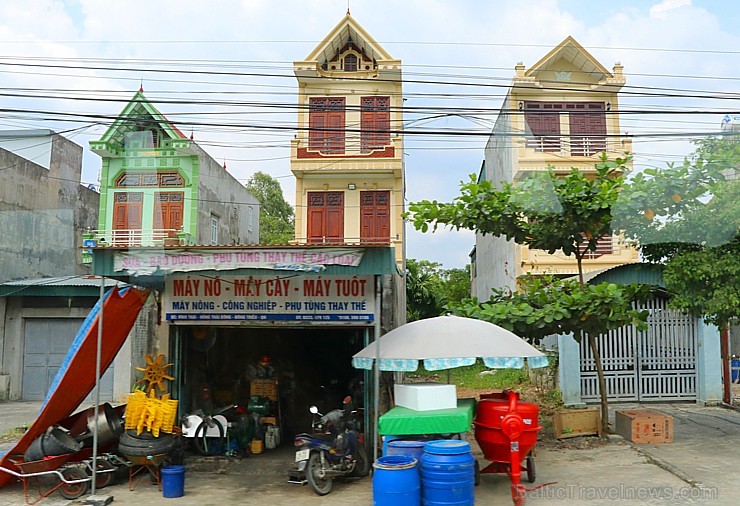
[(224, 69)]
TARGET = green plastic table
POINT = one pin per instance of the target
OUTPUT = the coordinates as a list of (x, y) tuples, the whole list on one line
[(400, 421)]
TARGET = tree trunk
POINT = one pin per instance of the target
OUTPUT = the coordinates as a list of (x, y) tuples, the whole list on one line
[(602, 384)]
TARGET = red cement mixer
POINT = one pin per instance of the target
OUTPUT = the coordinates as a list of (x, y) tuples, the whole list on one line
[(506, 431)]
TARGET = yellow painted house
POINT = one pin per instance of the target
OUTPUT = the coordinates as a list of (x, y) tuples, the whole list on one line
[(347, 156), (560, 113)]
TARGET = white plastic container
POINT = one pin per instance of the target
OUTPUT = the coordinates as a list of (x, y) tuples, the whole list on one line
[(425, 396)]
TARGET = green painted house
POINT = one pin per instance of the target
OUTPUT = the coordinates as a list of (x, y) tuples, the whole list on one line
[(158, 187)]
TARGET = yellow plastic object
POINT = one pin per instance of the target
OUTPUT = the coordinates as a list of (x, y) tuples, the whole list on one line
[(155, 373), (150, 413)]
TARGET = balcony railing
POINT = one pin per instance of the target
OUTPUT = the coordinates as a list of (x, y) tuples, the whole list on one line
[(569, 146), (137, 237)]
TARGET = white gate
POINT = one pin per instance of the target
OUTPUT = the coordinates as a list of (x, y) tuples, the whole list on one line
[(654, 365)]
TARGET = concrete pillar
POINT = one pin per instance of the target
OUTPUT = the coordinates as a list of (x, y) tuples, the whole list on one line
[(569, 371), (708, 364)]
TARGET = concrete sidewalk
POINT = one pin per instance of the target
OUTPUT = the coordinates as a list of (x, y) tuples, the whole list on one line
[(16, 415)]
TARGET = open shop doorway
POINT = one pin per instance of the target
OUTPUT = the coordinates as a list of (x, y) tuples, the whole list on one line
[(272, 375)]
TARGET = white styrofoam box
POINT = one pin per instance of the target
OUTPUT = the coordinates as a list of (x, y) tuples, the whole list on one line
[(425, 396)]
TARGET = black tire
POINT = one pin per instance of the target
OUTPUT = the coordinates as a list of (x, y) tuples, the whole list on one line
[(157, 446), (362, 463), (105, 478), (476, 479), (200, 441), (73, 491), (321, 486), (531, 471)]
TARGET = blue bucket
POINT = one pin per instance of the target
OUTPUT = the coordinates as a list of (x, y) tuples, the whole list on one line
[(173, 481), (735, 371), (396, 481), (447, 473), (409, 448)]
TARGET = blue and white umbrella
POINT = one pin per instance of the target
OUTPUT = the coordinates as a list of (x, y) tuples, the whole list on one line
[(446, 342)]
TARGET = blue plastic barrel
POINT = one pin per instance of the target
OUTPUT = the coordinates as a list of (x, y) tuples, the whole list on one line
[(409, 448), (447, 473), (396, 481), (173, 481), (735, 371)]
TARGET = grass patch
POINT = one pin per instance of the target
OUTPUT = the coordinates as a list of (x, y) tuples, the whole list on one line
[(470, 377), (12, 434)]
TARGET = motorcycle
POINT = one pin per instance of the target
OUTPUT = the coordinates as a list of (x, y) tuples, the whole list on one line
[(334, 449)]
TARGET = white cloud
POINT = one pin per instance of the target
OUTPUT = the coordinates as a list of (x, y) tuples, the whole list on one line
[(661, 10)]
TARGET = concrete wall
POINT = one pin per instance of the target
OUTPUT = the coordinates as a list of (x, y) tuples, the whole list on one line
[(222, 195), (43, 212), (495, 256)]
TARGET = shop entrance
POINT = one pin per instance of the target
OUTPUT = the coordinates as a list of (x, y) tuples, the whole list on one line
[(220, 366)]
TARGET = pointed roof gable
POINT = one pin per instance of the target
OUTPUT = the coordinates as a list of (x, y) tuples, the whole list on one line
[(572, 52), (138, 112), (348, 30)]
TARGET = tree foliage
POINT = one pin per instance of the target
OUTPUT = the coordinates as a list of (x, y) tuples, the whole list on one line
[(276, 214), (544, 211), (429, 288), (545, 305), (690, 220)]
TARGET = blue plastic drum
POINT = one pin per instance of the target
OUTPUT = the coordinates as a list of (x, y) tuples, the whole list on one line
[(396, 481), (447, 473), (409, 448)]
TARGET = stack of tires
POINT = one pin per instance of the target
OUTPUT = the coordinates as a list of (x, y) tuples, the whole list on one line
[(144, 444)]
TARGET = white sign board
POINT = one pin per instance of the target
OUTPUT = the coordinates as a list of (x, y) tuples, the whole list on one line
[(298, 298), (180, 260)]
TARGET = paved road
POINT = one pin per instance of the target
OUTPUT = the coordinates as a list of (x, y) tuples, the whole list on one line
[(697, 468)]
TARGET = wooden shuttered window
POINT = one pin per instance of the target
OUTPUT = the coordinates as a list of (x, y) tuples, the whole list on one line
[(586, 120), (375, 123), (587, 128), (325, 218), (375, 217), (326, 124), (543, 123), (127, 213), (168, 211)]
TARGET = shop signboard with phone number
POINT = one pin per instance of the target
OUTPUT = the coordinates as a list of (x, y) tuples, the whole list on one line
[(298, 298)]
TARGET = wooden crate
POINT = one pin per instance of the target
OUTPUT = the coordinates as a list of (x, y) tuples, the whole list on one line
[(576, 422), (263, 388)]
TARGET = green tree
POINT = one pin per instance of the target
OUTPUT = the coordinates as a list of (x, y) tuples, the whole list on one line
[(429, 288), (276, 215), (423, 289), (551, 213), (544, 211), (688, 217)]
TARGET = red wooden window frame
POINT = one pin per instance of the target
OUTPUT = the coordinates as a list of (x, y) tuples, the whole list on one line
[(325, 218), (127, 216), (543, 121), (375, 217), (375, 123), (168, 212), (326, 124), (587, 128)]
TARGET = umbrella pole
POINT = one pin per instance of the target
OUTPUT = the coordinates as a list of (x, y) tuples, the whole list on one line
[(97, 387), (376, 376)]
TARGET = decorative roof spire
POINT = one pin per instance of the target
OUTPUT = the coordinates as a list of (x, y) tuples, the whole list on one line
[(348, 14), (191, 135), (141, 86)]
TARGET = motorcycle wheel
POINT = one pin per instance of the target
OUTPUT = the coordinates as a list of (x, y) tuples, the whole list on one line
[(362, 464), (205, 445), (321, 486)]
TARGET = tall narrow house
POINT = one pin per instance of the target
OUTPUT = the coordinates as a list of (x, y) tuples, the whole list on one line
[(347, 156), (159, 188), (562, 112)]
